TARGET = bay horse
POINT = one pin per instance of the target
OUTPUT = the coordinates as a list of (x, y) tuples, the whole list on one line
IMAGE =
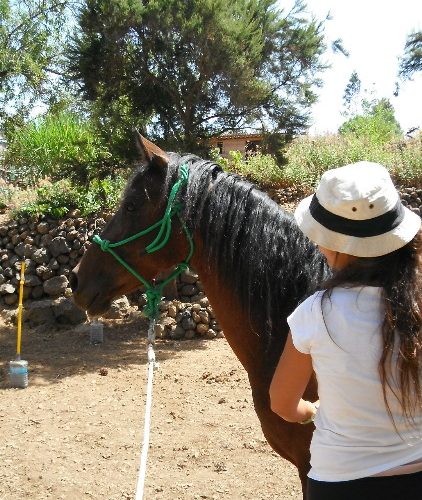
[(254, 263)]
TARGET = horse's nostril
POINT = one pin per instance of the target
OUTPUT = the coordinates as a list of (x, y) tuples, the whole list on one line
[(73, 281)]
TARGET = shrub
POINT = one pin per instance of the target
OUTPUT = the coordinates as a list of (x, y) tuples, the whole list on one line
[(260, 168), (309, 157), (59, 198), (57, 147)]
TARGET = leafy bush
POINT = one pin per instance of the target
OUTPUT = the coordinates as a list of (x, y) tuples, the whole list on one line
[(57, 147), (59, 198), (260, 168), (377, 124)]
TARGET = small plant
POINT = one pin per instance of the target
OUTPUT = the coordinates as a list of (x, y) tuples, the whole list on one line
[(57, 147), (57, 199), (260, 168)]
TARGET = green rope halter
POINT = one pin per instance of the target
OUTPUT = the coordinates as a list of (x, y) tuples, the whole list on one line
[(154, 293)]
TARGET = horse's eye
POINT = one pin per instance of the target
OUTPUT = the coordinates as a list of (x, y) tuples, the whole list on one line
[(130, 206)]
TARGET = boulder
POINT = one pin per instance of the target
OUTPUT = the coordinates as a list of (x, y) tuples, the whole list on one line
[(119, 308), (38, 312), (67, 312), (55, 286), (59, 245)]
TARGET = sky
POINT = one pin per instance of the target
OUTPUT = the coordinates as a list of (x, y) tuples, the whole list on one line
[(374, 32)]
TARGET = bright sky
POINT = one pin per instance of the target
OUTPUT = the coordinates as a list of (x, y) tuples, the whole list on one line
[(374, 33)]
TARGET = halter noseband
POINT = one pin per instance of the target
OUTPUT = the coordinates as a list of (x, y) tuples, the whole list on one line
[(154, 293)]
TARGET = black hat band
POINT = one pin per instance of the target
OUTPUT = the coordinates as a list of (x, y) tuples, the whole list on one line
[(359, 228)]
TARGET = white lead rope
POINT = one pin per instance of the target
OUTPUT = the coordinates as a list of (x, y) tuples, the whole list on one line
[(145, 445)]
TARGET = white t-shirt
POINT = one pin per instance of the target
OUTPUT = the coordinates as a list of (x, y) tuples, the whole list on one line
[(354, 435)]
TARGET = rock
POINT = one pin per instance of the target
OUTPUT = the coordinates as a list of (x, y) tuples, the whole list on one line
[(46, 240), (211, 334), (10, 299), (168, 321), (204, 316), (188, 277), (39, 312), (177, 333), (119, 308), (160, 331), (204, 302), (188, 290), (32, 280), (53, 264), (20, 249), (43, 228), (202, 328), (8, 272), (172, 310), (62, 259), (188, 323), (7, 289), (190, 334), (55, 286), (44, 273), (196, 308), (41, 256), (37, 292), (67, 312), (59, 245)]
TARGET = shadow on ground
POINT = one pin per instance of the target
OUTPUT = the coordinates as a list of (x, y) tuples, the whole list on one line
[(54, 353)]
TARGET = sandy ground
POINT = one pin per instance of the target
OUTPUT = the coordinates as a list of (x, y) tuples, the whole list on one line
[(75, 433)]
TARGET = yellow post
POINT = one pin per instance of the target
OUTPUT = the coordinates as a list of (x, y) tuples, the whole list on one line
[(21, 283)]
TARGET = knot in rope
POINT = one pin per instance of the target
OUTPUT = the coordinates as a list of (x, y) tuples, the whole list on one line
[(104, 244), (153, 299), (183, 266)]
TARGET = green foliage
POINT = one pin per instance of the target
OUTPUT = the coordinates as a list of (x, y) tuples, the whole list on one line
[(351, 91), (377, 124), (57, 147), (31, 40), (411, 62), (198, 68), (259, 168), (308, 158), (59, 198), (5, 196)]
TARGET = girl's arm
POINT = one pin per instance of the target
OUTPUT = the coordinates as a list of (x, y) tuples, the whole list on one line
[(289, 383)]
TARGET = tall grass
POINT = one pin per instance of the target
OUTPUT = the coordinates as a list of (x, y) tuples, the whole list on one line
[(57, 147), (308, 158)]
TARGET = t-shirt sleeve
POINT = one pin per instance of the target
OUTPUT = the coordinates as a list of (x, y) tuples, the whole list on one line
[(302, 323)]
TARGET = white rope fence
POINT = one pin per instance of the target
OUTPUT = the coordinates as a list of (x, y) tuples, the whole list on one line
[(147, 421)]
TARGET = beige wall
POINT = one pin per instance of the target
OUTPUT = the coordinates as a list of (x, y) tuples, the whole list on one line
[(233, 145)]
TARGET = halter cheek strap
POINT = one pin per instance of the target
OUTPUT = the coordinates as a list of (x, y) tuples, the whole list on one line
[(154, 293)]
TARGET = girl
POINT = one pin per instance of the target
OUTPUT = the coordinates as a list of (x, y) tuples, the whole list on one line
[(362, 335)]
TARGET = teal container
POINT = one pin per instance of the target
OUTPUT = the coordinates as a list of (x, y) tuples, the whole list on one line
[(18, 373)]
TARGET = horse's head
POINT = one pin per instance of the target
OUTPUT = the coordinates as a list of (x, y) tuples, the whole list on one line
[(99, 277)]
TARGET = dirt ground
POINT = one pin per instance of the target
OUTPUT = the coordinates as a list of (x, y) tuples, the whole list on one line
[(75, 433)]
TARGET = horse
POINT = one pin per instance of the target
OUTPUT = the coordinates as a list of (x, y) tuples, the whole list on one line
[(253, 261)]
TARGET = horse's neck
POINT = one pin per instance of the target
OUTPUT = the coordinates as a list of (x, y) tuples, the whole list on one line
[(237, 329)]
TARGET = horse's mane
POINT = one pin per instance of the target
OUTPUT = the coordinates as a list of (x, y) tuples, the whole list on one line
[(257, 247)]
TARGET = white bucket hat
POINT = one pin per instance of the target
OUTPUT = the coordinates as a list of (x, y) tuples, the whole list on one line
[(356, 210)]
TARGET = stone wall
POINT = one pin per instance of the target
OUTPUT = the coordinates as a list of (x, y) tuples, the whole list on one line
[(51, 249)]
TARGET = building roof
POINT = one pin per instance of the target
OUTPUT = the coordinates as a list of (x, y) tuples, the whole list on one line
[(250, 137)]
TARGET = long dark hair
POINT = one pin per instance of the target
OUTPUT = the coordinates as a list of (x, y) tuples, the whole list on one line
[(399, 274)]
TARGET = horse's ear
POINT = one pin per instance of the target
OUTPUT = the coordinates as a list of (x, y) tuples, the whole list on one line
[(149, 152)]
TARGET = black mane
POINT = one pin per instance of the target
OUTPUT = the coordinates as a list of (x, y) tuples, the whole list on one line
[(257, 247)]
